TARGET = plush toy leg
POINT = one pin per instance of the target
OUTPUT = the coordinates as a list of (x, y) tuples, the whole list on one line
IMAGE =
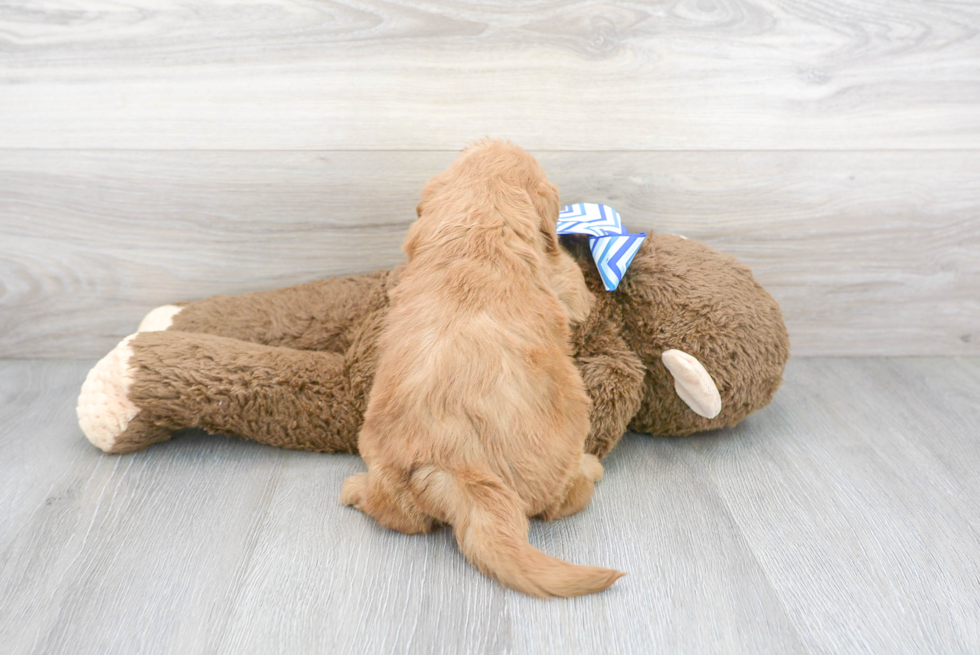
[(105, 413), (154, 383), (159, 319), (319, 315), (693, 383), (613, 377)]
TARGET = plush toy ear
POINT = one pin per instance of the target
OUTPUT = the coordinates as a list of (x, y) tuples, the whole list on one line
[(693, 383)]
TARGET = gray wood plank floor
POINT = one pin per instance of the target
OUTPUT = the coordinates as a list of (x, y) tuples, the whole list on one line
[(844, 518)]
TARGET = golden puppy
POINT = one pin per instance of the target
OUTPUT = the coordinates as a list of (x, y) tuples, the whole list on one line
[(478, 416)]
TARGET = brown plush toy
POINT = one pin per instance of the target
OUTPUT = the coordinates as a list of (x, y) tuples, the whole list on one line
[(688, 342)]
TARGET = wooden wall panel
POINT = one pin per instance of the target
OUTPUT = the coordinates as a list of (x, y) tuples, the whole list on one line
[(874, 253), (153, 150), (434, 74)]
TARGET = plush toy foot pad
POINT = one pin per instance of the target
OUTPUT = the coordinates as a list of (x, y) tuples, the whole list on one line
[(159, 319), (104, 409), (693, 383)]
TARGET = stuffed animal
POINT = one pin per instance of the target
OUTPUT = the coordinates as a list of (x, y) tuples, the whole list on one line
[(688, 342)]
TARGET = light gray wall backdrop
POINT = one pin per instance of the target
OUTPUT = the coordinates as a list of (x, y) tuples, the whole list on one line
[(157, 150)]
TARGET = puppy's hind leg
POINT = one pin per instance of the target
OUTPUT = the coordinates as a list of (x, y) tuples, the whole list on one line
[(579, 491), (378, 494)]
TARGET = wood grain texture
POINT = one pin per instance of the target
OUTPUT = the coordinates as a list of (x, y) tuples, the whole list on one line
[(858, 495), (868, 253), (842, 519), (37, 401), (681, 74)]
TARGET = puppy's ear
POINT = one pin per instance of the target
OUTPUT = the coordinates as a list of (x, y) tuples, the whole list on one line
[(427, 193), (430, 191), (417, 233), (546, 205), (416, 236)]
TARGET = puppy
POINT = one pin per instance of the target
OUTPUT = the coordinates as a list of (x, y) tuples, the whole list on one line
[(478, 416)]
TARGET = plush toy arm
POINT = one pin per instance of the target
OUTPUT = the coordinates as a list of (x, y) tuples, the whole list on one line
[(318, 315), (613, 377), (154, 383)]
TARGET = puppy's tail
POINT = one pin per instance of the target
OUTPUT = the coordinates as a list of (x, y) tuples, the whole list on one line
[(491, 528)]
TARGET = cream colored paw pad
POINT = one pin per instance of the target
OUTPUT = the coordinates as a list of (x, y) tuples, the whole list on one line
[(104, 409), (159, 319), (591, 467), (693, 383)]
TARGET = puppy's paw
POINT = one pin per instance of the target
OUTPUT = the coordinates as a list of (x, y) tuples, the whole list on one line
[(354, 489), (104, 408), (159, 319), (569, 284), (591, 467)]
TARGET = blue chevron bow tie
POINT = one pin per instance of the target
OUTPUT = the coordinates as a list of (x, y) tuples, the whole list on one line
[(613, 248)]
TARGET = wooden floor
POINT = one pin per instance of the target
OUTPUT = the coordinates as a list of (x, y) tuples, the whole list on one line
[(844, 518)]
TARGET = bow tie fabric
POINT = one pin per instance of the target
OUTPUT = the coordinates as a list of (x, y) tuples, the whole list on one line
[(613, 248)]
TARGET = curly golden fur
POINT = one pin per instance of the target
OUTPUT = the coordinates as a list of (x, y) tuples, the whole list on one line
[(478, 416)]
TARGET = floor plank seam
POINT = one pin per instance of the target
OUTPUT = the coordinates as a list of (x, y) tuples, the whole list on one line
[(245, 565), (755, 554)]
